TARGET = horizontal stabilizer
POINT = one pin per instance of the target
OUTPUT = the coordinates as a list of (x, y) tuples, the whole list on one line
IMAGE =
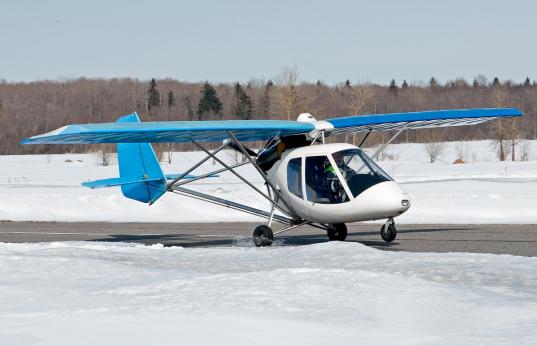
[(188, 176), (110, 182), (97, 184)]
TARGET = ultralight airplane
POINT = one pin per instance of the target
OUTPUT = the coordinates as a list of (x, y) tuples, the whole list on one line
[(308, 181)]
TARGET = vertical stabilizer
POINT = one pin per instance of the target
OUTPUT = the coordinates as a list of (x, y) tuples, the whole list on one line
[(137, 161)]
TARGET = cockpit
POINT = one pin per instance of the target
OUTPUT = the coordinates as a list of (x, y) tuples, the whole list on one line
[(333, 178)]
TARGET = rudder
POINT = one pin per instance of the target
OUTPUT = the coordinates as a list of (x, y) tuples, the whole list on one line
[(137, 161)]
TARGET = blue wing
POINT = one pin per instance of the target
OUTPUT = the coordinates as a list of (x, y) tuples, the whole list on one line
[(415, 120), (257, 130), (170, 131)]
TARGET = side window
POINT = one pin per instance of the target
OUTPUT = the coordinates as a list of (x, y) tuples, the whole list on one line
[(294, 177), (322, 183)]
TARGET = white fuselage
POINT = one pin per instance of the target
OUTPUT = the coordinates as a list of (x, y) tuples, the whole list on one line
[(383, 199)]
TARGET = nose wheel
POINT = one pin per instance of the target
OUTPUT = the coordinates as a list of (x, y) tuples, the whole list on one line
[(388, 232), (337, 231)]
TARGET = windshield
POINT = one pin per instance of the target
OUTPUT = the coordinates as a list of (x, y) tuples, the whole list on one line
[(359, 170)]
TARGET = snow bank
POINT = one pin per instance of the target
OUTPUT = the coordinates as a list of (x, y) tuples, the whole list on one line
[(47, 188), (80, 293)]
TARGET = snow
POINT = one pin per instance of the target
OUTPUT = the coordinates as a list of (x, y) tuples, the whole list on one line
[(86, 293), (337, 293), (484, 190)]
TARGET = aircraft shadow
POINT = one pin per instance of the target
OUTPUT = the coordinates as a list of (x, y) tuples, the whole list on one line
[(288, 239)]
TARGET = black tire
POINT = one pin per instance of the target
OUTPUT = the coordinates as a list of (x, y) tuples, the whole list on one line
[(337, 232), (263, 236), (388, 233)]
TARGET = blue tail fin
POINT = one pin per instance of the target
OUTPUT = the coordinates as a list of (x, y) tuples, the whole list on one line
[(138, 162)]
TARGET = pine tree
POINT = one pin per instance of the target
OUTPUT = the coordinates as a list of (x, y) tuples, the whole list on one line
[(527, 82), (264, 104), (243, 103), (433, 83), (496, 82), (405, 84), (347, 83), (209, 102), (476, 83), (393, 87), (171, 99), (153, 95)]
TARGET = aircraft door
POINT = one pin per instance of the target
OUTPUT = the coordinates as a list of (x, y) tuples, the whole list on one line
[(322, 183)]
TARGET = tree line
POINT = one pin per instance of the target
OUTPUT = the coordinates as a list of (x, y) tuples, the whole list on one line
[(37, 107)]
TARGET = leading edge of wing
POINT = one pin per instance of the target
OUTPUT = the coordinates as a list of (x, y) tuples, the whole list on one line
[(170, 131), (425, 118)]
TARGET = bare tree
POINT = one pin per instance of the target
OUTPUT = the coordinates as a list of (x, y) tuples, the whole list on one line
[(169, 153), (57, 103), (360, 96), (499, 97), (106, 153), (462, 151), (160, 150), (434, 146), (514, 139), (524, 151), (286, 91)]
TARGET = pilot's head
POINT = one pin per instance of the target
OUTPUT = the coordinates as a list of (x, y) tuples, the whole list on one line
[(338, 158)]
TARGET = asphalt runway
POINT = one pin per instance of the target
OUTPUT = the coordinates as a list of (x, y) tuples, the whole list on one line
[(498, 239)]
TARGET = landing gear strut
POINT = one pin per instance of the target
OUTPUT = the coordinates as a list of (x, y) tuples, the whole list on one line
[(388, 232), (263, 236), (337, 231)]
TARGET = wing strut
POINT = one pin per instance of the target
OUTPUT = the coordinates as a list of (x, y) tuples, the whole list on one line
[(365, 137), (207, 175), (230, 204), (381, 149), (170, 184), (228, 168), (259, 170), (175, 185)]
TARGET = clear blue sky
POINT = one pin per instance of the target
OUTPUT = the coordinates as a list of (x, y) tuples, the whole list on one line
[(226, 41)]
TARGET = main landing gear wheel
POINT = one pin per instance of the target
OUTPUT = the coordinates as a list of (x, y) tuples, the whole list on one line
[(337, 231), (388, 232), (263, 236)]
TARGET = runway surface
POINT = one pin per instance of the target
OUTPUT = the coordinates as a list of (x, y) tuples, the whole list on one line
[(498, 239)]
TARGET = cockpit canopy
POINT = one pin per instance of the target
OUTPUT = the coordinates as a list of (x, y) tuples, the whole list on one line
[(335, 178)]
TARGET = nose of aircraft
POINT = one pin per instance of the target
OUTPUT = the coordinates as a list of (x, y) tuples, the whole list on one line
[(384, 200), (399, 199), (405, 203)]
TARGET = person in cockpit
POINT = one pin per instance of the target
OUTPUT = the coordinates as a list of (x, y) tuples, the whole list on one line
[(333, 185)]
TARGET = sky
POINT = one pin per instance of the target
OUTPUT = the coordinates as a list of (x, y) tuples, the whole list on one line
[(228, 41)]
